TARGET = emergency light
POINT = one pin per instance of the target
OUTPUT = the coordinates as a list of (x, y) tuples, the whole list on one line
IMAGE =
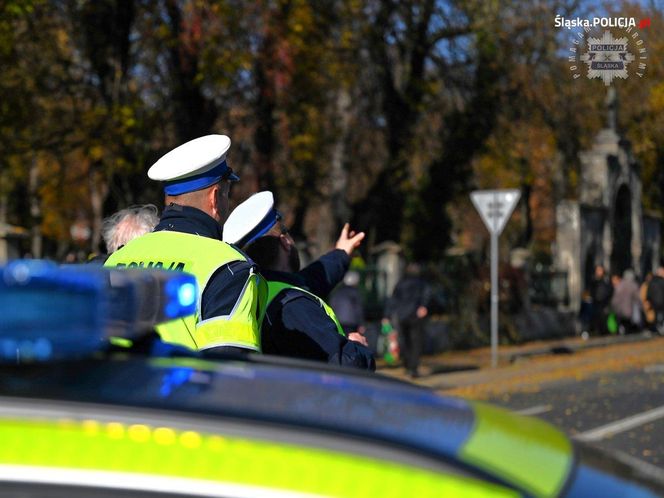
[(49, 311)]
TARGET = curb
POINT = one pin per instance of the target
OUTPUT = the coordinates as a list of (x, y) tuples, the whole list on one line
[(564, 347), (445, 371)]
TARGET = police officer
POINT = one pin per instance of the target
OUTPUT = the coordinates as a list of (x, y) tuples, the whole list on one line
[(298, 323), (188, 238)]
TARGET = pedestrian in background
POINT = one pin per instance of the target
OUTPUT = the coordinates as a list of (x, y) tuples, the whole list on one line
[(601, 291), (407, 309), (586, 314), (655, 296), (626, 302), (649, 316), (127, 224), (346, 301)]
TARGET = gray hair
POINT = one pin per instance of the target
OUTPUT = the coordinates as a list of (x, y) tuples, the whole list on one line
[(127, 224)]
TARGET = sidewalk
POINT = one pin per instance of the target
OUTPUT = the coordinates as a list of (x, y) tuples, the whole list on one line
[(529, 366)]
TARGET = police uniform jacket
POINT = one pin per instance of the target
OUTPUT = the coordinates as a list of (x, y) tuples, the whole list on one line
[(226, 284), (296, 325)]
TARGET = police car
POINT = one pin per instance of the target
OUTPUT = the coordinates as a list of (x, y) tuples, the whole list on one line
[(82, 416)]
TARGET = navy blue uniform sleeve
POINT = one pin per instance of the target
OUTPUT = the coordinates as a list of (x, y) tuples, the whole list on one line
[(323, 275), (309, 333), (222, 292)]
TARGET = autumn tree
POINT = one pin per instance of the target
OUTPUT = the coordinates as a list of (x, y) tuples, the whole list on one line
[(35, 76), (404, 40), (384, 112)]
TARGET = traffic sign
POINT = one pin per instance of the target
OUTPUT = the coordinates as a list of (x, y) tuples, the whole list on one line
[(495, 207)]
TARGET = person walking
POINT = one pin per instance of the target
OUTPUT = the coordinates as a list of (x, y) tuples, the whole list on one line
[(188, 238), (407, 309), (649, 322), (601, 291), (626, 302), (655, 297)]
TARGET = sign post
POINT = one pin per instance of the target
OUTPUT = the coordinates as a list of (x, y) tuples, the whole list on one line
[(495, 208)]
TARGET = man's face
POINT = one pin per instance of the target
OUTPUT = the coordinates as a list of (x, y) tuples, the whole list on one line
[(599, 271)]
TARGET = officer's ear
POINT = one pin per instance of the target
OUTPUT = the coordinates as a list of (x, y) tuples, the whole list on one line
[(211, 198), (285, 242), (214, 203)]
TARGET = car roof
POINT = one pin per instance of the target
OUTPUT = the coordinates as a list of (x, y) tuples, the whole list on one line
[(398, 418), (73, 413)]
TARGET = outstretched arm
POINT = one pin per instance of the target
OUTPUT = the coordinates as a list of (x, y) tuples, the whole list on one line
[(323, 275)]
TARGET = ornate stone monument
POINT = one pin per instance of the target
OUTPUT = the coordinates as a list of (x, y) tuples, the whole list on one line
[(606, 225)]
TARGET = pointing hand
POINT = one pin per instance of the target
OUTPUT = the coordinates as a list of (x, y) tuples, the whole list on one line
[(349, 240)]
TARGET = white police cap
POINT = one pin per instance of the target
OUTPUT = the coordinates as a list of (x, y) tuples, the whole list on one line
[(194, 165), (251, 219)]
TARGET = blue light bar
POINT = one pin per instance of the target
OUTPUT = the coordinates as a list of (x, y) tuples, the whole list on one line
[(57, 312), (47, 312), (181, 298)]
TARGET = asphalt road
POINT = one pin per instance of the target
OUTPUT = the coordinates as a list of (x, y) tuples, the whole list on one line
[(617, 411), (608, 392)]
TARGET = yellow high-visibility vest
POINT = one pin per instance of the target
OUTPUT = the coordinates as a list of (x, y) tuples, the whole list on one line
[(274, 288), (202, 257)]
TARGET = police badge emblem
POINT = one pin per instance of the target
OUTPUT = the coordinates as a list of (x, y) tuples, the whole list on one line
[(607, 58)]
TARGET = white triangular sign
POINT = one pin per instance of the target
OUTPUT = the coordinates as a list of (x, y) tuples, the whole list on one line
[(495, 207)]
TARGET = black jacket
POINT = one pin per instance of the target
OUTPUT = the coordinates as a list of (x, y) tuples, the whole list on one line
[(409, 294), (295, 324), (656, 293), (601, 291)]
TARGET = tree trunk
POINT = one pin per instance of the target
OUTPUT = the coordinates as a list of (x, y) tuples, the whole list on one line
[(4, 252), (98, 193), (335, 201), (338, 164), (36, 241)]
